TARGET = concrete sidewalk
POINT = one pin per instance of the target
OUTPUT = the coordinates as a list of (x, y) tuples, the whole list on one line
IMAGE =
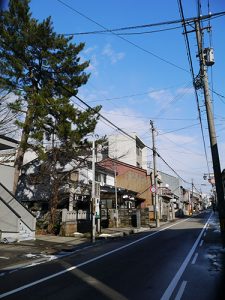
[(44, 248), (48, 247)]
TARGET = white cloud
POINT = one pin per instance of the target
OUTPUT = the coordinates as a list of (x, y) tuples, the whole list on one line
[(160, 95), (181, 151), (179, 139), (112, 54), (187, 90), (90, 50), (125, 119), (92, 68), (165, 95), (184, 154)]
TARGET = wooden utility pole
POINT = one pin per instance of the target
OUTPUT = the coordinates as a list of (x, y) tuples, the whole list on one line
[(212, 131), (154, 177)]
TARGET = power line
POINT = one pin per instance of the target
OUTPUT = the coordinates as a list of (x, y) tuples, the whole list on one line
[(182, 146), (219, 95), (154, 118), (108, 121), (149, 32), (123, 33), (122, 38), (133, 95), (178, 129), (193, 77), (175, 99), (121, 130), (106, 30)]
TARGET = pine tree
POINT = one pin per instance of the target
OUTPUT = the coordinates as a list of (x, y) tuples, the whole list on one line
[(44, 70)]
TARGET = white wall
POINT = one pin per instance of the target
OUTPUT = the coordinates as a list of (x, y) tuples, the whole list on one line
[(7, 176), (122, 148)]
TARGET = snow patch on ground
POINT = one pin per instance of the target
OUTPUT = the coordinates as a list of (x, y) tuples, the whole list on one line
[(46, 256), (105, 235), (30, 255)]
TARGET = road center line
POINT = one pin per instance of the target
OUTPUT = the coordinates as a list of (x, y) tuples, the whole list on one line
[(181, 290), (168, 292), (87, 262)]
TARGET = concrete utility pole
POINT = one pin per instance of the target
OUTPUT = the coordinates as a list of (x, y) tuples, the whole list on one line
[(155, 186), (212, 132), (93, 227), (116, 197), (192, 196)]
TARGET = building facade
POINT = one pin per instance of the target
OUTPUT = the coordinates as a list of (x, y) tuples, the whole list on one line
[(131, 151)]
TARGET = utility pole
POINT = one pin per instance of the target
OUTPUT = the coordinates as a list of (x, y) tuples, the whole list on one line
[(93, 227), (192, 196), (116, 196), (154, 190), (212, 132)]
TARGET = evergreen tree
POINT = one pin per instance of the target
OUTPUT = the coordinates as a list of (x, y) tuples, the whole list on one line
[(43, 68)]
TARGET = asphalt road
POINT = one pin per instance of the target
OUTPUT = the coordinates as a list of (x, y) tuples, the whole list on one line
[(167, 264)]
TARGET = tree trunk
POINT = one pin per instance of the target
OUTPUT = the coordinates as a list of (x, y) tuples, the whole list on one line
[(22, 148), (53, 204), (18, 164)]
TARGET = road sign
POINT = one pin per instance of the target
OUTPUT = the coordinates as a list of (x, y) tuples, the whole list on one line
[(153, 189)]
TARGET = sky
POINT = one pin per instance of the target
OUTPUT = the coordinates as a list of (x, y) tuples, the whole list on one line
[(146, 76)]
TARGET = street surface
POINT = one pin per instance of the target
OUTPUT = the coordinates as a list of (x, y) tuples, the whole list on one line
[(170, 263)]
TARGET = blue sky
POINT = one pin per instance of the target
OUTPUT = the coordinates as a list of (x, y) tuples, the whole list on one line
[(143, 86)]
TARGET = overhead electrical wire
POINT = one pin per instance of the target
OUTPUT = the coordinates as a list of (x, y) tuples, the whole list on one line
[(187, 20), (193, 78), (150, 118), (211, 46), (111, 123), (121, 130), (133, 95), (122, 38), (149, 32), (182, 146), (179, 129), (219, 96), (124, 33), (174, 99)]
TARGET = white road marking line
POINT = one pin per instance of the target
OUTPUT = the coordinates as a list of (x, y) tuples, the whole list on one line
[(204, 234), (4, 257), (86, 262), (194, 259), (181, 290), (201, 243), (168, 292)]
